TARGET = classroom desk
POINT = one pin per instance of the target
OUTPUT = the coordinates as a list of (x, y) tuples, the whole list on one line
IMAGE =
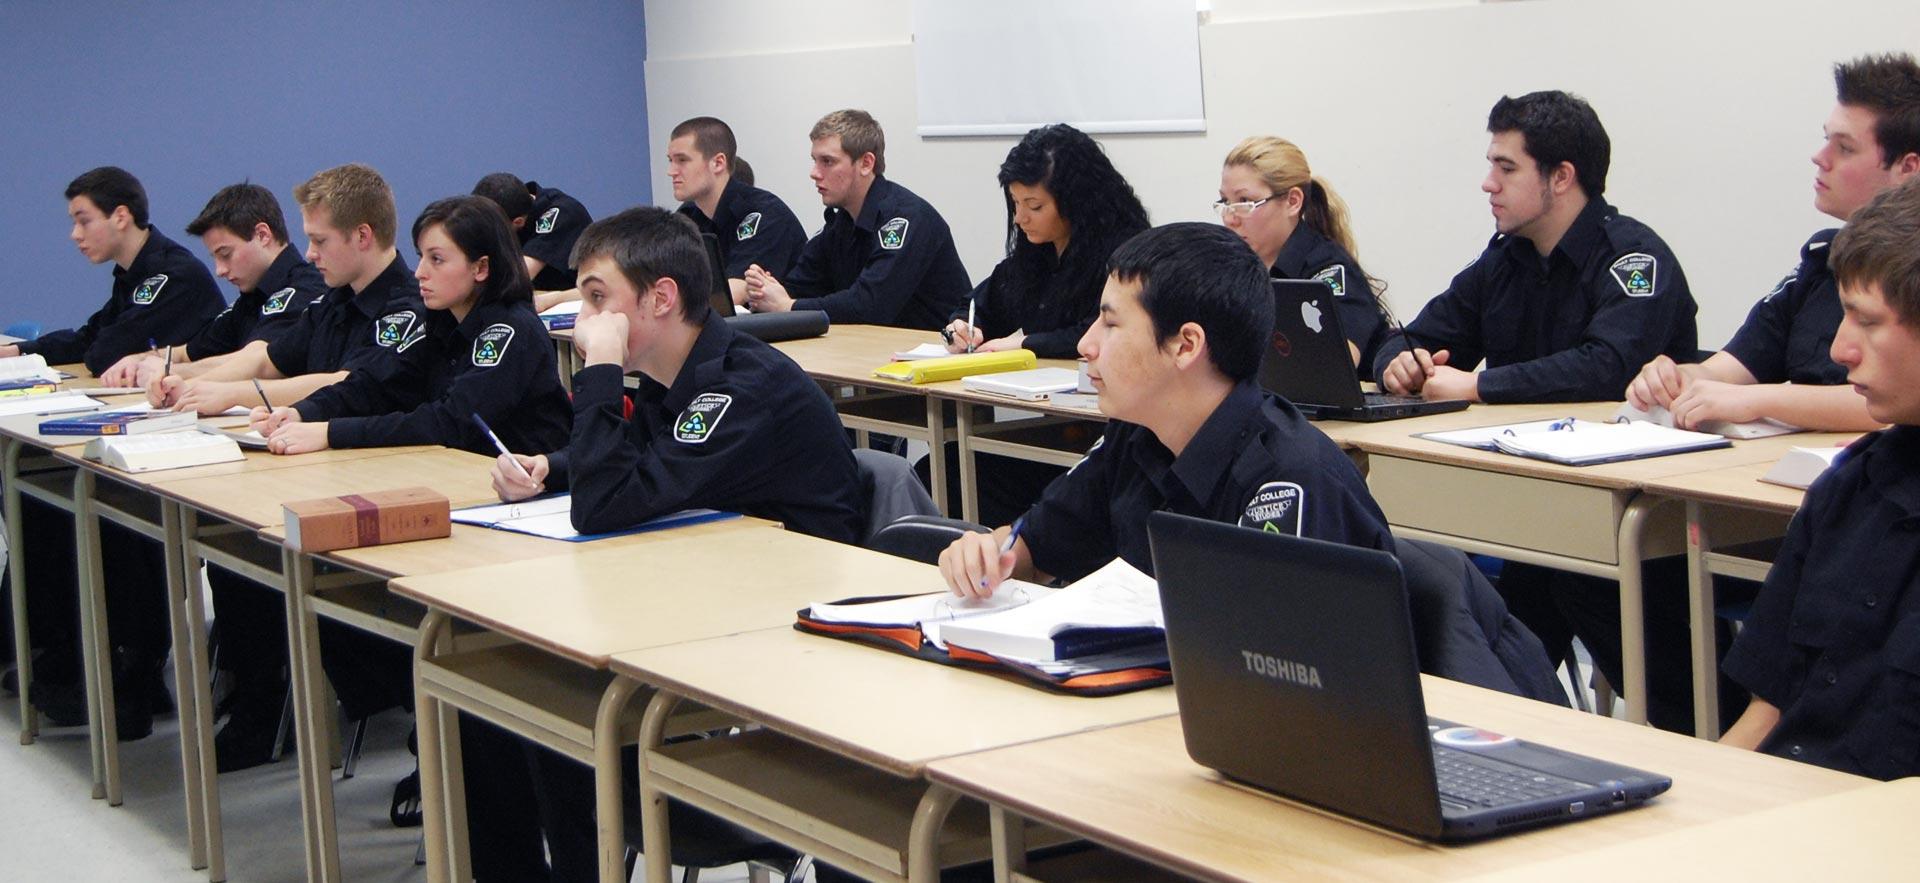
[(573, 614), (1585, 519), (1732, 501), (564, 355), (838, 771), (1133, 789)]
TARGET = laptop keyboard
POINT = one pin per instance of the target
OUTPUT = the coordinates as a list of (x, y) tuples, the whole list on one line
[(1376, 399), (1471, 779)]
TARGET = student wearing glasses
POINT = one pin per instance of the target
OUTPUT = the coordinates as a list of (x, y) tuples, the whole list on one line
[(1298, 226)]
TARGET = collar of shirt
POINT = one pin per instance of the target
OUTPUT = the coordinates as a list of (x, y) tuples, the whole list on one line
[(379, 292), (880, 192), (1298, 255), (1890, 459), (705, 365), (1819, 246), (1583, 243), (275, 278), (481, 317), (726, 212), (148, 260), (1208, 456)]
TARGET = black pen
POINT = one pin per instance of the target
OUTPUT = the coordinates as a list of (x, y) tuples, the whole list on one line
[(263, 394)]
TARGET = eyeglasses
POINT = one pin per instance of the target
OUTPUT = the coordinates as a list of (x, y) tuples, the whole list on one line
[(1237, 209)]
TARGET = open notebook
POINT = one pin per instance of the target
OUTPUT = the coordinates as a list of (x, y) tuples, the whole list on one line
[(1762, 428), (1575, 442), (552, 517)]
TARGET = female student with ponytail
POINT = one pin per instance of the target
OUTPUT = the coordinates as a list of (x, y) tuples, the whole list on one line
[(1298, 226)]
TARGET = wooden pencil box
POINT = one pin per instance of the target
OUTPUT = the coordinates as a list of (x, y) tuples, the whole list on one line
[(372, 519)]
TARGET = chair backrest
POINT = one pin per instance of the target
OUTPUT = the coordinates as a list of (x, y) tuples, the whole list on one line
[(22, 330), (920, 537), (890, 489)]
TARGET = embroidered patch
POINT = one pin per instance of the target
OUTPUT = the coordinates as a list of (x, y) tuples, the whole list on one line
[(1275, 508), (393, 329), (749, 225), (701, 417), (893, 234), (277, 302), (149, 289), (491, 345), (1635, 273), (415, 337), (1336, 279), (546, 222), (1792, 276)]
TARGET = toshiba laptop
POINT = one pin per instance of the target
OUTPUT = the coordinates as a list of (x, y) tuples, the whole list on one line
[(1294, 669), (1306, 361)]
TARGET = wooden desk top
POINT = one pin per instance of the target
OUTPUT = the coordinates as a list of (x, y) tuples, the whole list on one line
[(256, 461), (472, 546), (253, 498), (673, 586), (1862, 834), (885, 709), (1736, 486), (1133, 788), (849, 353)]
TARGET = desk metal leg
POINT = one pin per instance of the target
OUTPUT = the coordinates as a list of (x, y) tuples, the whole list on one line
[(429, 717), (937, 451), (655, 834), (96, 641), (1009, 843), (969, 476), (1633, 631), (194, 656), (17, 576), (923, 839), (606, 779), (183, 672), (313, 742), (1700, 621)]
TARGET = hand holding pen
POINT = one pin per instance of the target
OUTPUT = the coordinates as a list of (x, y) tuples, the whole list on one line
[(977, 563)]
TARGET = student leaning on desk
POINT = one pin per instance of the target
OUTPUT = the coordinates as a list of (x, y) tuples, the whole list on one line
[(1832, 648), (1778, 365)]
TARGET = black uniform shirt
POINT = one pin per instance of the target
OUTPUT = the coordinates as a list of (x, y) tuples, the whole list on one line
[(1309, 255), (549, 233), (344, 331), (1575, 326), (265, 312), (742, 429), (1834, 637), (1788, 335), (893, 265), (163, 297), (1255, 462), (752, 227)]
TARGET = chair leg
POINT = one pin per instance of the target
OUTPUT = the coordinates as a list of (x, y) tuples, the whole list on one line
[(689, 875), (280, 730), (420, 854), (800, 868), (1603, 694), (759, 873), (354, 743)]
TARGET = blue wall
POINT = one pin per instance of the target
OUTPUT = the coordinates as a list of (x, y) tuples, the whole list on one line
[(192, 96)]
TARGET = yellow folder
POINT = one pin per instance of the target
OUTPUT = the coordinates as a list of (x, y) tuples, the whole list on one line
[(956, 367)]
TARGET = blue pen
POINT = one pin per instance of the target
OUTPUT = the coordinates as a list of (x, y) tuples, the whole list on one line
[(503, 448), (1013, 534)]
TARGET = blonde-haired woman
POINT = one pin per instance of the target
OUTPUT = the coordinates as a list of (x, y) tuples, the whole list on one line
[(1298, 226)]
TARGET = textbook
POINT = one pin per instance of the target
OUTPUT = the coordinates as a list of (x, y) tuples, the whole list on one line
[(1574, 442), (377, 518), (122, 422), (1762, 428), (1029, 386), (31, 366), (561, 315), (1798, 467), (57, 403), (1099, 636), (956, 367), (158, 451), (28, 386), (552, 517)]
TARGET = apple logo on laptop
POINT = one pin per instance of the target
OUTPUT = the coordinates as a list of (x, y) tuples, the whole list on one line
[(1310, 314)]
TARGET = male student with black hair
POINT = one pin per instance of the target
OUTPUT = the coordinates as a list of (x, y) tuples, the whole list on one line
[(1778, 365), (546, 221), (715, 189), (161, 293), (1183, 321), (1831, 650), (885, 256), (246, 234)]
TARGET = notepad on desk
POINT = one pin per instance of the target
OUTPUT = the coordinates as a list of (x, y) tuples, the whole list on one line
[(58, 403), (1799, 467), (955, 367), (1762, 428), (1027, 386), (923, 351), (1574, 442), (552, 517), (31, 366)]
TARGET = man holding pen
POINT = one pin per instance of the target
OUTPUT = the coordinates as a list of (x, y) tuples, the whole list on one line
[(1186, 312)]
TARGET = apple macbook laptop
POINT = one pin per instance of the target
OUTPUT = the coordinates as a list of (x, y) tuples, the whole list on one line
[(1294, 670), (1306, 361), (720, 295)]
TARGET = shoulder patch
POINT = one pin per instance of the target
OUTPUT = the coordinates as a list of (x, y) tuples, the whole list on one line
[(1635, 273), (1275, 508), (491, 345), (149, 289), (749, 225), (277, 302), (893, 234), (546, 222), (1335, 277), (701, 417), (394, 328), (1792, 276)]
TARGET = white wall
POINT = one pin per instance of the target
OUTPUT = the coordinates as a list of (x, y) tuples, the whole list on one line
[(1713, 105)]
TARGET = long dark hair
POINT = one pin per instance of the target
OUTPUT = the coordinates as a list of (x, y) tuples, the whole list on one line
[(479, 229), (1098, 204)]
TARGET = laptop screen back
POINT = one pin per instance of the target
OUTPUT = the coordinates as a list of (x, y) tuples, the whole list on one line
[(1306, 360), (720, 294)]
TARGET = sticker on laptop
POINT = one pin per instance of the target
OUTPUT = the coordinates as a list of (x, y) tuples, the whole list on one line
[(701, 417), (1471, 737), (1275, 508)]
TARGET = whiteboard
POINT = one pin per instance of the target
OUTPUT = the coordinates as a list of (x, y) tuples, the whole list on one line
[(1001, 67)]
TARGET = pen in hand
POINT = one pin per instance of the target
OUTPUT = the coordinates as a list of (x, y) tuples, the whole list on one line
[(502, 447), (1013, 535), (970, 305), (263, 395)]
